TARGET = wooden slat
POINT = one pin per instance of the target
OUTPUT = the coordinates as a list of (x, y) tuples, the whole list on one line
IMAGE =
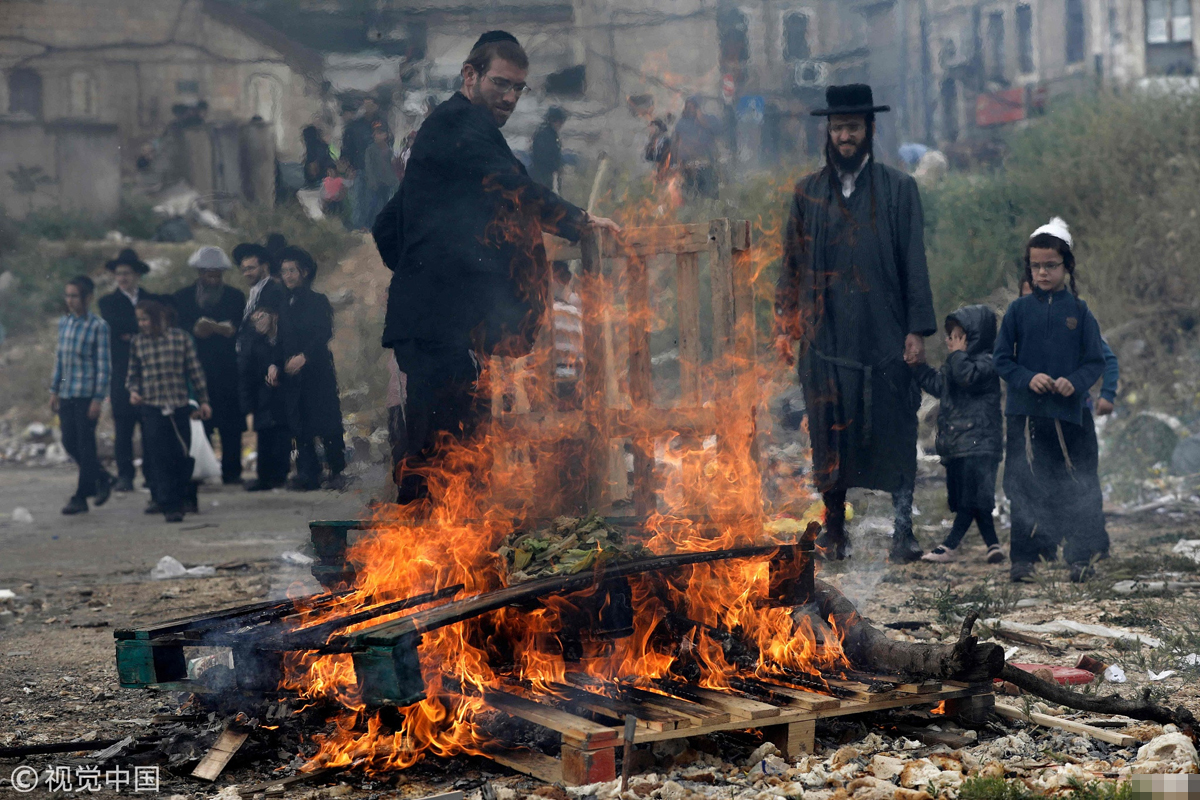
[(704, 715), (637, 303), (739, 708), (649, 241), (584, 731), (223, 750), (596, 367), (543, 767), (801, 697), (861, 690), (721, 270), (656, 719), (687, 276)]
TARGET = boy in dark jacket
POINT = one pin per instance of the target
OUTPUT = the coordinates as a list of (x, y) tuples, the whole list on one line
[(970, 437), (261, 394)]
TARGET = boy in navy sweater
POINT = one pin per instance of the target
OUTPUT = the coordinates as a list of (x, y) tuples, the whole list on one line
[(1049, 353)]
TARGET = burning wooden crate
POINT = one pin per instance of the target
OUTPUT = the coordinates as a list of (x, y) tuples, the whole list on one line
[(614, 407)]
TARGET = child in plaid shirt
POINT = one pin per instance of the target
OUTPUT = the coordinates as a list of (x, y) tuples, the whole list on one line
[(162, 364)]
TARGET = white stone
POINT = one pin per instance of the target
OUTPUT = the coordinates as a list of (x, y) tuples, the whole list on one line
[(1171, 752), (763, 750)]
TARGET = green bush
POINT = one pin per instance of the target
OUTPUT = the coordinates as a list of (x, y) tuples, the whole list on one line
[(59, 225), (136, 218), (993, 789)]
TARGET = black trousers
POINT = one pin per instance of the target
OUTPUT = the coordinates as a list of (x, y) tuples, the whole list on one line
[(79, 440), (168, 438), (231, 446), (1052, 500), (308, 465), (443, 399), (274, 454), (125, 418)]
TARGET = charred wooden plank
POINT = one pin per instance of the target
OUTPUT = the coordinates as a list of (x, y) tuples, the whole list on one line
[(584, 733)]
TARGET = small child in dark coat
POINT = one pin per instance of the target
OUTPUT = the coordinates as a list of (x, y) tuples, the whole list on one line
[(970, 437), (261, 394)]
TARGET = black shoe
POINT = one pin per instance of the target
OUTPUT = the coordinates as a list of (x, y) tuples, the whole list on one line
[(1082, 572), (905, 549), (833, 547), (104, 487), (1022, 571), (76, 505), (123, 485), (232, 481), (191, 506), (173, 516), (153, 508), (297, 484)]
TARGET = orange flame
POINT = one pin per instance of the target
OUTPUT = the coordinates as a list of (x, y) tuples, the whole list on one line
[(485, 489)]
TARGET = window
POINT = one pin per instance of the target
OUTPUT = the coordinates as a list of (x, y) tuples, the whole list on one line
[(795, 37), (1025, 38), (1075, 32), (995, 42), (733, 36), (569, 82), (83, 94), (1163, 27), (950, 109), (1169, 38), (25, 93)]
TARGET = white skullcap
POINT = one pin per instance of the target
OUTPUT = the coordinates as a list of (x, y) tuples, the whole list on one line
[(1057, 228), (210, 257)]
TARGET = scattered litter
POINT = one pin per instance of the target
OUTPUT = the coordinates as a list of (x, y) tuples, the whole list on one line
[(298, 559), (1070, 626), (1188, 548), (1192, 659), (22, 516), (1160, 676), (7, 594), (169, 567), (1114, 674), (1133, 587), (1066, 676), (1011, 653)]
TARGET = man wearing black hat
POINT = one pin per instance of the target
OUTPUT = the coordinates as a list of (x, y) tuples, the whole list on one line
[(117, 309), (463, 237), (854, 290)]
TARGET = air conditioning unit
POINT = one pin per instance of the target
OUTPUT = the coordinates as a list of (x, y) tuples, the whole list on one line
[(811, 74)]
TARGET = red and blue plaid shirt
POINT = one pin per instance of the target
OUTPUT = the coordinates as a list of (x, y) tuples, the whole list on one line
[(82, 362), (160, 368)]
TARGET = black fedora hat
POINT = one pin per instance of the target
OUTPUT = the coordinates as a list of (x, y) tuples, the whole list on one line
[(128, 258), (854, 98)]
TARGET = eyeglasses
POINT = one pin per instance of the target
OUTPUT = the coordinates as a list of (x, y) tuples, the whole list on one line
[(1044, 266), (506, 86)]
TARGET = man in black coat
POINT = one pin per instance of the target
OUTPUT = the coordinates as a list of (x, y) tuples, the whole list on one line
[(212, 313), (854, 290), (463, 237), (117, 309)]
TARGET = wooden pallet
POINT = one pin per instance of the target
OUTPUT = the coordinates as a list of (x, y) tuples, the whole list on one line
[(590, 731)]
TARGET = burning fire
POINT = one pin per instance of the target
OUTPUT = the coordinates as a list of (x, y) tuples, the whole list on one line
[(711, 499)]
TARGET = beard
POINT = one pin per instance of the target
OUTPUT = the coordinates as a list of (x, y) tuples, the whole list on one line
[(208, 296), (843, 164)]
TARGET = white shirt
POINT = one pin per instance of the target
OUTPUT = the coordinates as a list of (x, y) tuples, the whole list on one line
[(848, 179), (255, 291), (133, 298)]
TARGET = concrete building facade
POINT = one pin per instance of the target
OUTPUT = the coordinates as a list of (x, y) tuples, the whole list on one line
[(128, 62)]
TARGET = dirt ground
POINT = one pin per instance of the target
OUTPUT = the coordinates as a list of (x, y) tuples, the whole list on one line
[(77, 579)]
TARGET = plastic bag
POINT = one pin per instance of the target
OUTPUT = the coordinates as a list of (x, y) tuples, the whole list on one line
[(202, 453)]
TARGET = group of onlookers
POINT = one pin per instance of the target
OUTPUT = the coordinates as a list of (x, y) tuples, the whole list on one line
[(205, 352)]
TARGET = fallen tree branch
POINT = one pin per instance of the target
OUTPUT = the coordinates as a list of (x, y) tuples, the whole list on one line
[(867, 647), (1143, 708)]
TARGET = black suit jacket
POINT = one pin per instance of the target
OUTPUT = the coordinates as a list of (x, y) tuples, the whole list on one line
[(119, 313), (217, 354), (463, 237)]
